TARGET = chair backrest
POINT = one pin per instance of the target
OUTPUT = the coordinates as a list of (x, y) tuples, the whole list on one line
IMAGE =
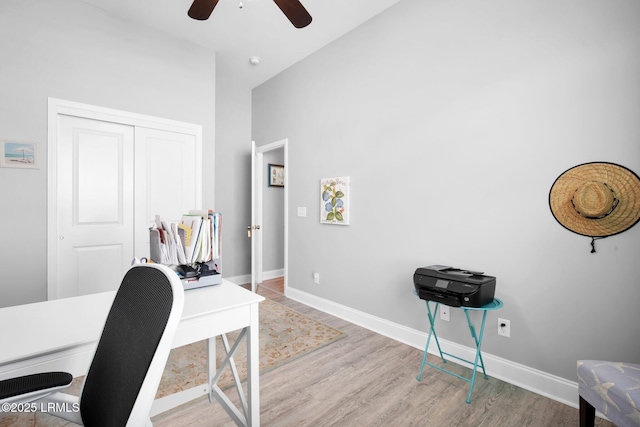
[(127, 366)]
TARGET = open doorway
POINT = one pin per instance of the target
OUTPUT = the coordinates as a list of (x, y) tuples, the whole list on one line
[(270, 217)]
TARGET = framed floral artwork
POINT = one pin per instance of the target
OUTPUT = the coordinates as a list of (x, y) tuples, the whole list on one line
[(335, 206)]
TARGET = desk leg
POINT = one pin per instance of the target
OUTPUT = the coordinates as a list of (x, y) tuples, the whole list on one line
[(240, 418), (211, 365), (253, 369)]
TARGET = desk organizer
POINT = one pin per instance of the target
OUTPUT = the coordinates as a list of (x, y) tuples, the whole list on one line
[(191, 247)]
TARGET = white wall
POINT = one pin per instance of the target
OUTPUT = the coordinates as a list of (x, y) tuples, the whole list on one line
[(453, 119), (66, 49)]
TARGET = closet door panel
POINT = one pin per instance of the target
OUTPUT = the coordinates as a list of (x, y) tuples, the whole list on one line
[(169, 164), (94, 205)]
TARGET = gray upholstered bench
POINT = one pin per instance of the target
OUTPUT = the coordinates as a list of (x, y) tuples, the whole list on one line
[(613, 388)]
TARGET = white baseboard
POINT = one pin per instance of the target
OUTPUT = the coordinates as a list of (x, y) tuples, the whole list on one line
[(272, 274), (246, 278), (531, 379), (238, 280)]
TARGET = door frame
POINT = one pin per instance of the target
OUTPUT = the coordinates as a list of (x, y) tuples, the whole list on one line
[(57, 107), (257, 189)]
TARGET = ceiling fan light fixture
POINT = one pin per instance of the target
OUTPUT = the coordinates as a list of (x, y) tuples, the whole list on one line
[(202, 9), (293, 10)]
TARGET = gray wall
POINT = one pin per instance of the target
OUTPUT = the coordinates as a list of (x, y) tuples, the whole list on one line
[(453, 119), (69, 50), (233, 181), (233, 170)]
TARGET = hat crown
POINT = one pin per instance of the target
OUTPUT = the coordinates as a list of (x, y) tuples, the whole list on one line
[(594, 200)]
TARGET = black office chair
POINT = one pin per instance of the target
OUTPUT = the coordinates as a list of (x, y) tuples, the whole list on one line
[(129, 360)]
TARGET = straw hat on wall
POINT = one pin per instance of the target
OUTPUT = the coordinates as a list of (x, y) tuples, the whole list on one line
[(596, 199)]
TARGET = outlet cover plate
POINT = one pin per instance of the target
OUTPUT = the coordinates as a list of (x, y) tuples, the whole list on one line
[(504, 327)]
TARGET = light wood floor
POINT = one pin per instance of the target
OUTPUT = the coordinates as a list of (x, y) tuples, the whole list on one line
[(366, 379)]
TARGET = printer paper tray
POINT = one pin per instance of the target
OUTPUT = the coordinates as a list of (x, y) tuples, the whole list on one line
[(445, 299)]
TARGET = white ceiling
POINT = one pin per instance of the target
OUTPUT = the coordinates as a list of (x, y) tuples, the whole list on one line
[(259, 29)]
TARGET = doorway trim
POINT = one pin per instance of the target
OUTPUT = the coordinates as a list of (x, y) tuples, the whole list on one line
[(259, 174)]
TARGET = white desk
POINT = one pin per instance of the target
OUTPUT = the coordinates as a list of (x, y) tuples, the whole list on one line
[(62, 334)]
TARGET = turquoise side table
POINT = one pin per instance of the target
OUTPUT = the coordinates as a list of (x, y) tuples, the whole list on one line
[(478, 362)]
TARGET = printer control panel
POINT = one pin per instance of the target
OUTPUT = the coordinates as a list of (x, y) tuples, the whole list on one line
[(442, 284)]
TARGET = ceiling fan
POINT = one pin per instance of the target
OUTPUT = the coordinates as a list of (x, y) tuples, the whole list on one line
[(293, 9)]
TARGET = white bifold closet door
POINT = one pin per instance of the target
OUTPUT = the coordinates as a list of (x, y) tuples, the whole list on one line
[(111, 179)]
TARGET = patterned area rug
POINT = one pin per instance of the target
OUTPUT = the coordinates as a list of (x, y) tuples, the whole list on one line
[(285, 335)]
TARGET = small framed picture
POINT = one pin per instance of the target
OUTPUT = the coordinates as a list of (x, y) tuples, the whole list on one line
[(19, 154), (276, 175)]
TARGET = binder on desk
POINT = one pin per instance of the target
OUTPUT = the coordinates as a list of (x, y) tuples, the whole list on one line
[(192, 245)]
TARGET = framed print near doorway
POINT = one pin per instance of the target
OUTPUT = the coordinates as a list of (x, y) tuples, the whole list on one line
[(276, 175)]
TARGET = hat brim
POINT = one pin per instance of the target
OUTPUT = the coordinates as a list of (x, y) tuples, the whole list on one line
[(625, 184)]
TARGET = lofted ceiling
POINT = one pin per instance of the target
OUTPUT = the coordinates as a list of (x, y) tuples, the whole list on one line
[(257, 29)]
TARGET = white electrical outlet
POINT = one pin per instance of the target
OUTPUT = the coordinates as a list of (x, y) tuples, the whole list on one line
[(316, 278), (504, 327), (444, 312)]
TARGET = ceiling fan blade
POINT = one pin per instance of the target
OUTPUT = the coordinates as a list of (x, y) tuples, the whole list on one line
[(201, 9), (295, 11)]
